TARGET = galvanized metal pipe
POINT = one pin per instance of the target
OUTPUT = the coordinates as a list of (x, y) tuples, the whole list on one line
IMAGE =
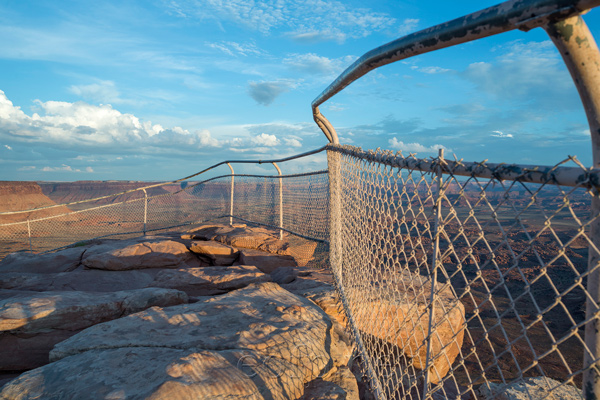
[(145, 210), (437, 210), (280, 201), (580, 53), (231, 198), (29, 234), (507, 16)]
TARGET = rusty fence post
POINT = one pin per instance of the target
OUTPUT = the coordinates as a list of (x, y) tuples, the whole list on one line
[(280, 201), (580, 53), (231, 197)]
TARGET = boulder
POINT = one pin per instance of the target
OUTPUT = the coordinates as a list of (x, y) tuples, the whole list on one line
[(214, 252), (121, 257), (399, 315), (137, 373), (266, 262), (258, 238), (281, 341), (536, 388), (61, 261), (32, 322), (207, 281)]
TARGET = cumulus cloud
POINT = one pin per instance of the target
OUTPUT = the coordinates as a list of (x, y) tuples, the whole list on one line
[(415, 147), (8, 147), (292, 142), (266, 92), (315, 64), (264, 139), (79, 124), (304, 20), (501, 134), (432, 70)]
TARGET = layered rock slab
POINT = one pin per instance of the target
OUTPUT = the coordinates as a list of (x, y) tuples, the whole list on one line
[(31, 323), (399, 314), (256, 342), (147, 254), (208, 281)]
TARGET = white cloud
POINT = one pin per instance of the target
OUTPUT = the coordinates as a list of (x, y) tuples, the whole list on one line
[(81, 125), (102, 92), (305, 20), (8, 147), (315, 64), (433, 70), (523, 72), (26, 168), (264, 139), (237, 49), (408, 26), (292, 142), (415, 147), (89, 169), (266, 92), (501, 134), (63, 167)]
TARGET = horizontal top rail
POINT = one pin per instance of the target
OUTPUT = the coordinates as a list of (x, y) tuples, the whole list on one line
[(563, 176), (507, 16), (308, 153)]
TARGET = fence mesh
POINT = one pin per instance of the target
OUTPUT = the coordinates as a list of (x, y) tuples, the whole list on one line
[(494, 272), (454, 286)]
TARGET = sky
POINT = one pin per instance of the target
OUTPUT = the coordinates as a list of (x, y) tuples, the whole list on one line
[(159, 89)]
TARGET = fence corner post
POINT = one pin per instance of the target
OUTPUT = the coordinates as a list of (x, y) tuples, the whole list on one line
[(231, 198), (145, 210), (580, 53), (280, 201)]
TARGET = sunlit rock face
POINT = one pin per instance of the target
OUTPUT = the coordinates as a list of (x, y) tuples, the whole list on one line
[(172, 316)]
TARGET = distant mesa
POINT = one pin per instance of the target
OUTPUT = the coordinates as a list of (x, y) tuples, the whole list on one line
[(18, 196)]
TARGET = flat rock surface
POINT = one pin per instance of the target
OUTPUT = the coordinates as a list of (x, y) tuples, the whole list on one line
[(266, 262), (536, 388), (31, 323), (33, 311), (148, 254), (207, 281), (257, 342), (63, 261), (215, 252)]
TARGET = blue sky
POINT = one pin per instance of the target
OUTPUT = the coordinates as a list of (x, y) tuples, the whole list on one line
[(155, 90)]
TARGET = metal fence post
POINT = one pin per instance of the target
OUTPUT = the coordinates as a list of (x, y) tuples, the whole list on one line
[(145, 210), (280, 201), (29, 234), (437, 212), (231, 198), (580, 53)]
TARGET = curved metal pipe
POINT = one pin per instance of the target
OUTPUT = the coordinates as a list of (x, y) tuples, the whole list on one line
[(507, 16)]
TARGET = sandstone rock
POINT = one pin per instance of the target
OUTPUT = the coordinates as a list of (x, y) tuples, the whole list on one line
[(162, 254), (136, 373), (399, 315), (61, 261), (87, 280), (266, 262), (216, 253), (32, 322), (207, 281), (283, 275), (531, 389), (259, 324), (258, 238), (340, 386)]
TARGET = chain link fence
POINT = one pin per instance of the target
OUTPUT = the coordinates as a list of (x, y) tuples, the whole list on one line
[(462, 280), (459, 280)]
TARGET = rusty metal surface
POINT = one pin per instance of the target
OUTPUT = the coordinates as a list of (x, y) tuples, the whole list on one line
[(507, 16), (580, 53)]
